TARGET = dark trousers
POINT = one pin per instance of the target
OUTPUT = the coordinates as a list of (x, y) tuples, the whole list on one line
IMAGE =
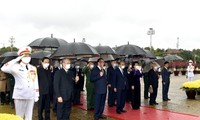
[(165, 90), (77, 95), (146, 86), (99, 104), (11, 94), (55, 103), (111, 96), (3, 97), (63, 110), (81, 84), (121, 99), (128, 94), (44, 104), (153, 95)]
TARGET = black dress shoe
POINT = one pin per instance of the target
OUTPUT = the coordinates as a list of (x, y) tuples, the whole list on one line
[(136, 108), (118, 112), (155, 103), (123, 111), (151, 104), (146, 97), (103, 117), (165, 99), (110, 105), (168, 99)]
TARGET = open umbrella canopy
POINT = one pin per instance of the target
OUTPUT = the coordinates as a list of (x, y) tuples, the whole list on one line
[(47, 42), (105, 58), (149, 54), (105, 50), (40, 54), (75, 49), (130, 50), (9, 54), (147, 65), (172, 58)]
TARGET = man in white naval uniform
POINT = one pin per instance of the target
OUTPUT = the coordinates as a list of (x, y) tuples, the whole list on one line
[(26, 89), (190, 71)]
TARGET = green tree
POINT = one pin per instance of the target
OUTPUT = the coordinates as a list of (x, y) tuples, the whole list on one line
[(186, 55), (7, 49)]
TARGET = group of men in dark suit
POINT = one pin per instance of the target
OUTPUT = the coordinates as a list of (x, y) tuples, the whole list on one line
[(153, 80), (64, 81)]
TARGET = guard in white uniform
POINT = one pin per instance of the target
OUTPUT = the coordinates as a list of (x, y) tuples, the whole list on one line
[(26, 89), (190, 71)]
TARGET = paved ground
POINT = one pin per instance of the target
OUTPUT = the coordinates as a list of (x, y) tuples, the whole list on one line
[(179, 102)]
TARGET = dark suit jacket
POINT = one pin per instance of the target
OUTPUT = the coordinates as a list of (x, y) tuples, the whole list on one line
[(64, 84), (165, 75), (78, 85), (153, 78), (121, 80), (100, 82), (44, 80), (111, 76)]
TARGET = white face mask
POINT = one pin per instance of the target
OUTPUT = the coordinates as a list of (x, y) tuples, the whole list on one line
[(45, 65), (123, 66), (26, 60), (91, 66), (104, 67), (137, 67), (114, 65), (155, 68), (60, 65), (67, 67), (77, 67)]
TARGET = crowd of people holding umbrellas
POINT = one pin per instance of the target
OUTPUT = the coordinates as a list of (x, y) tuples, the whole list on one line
[(58, 77)]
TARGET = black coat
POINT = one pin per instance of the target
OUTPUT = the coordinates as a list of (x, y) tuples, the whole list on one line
[(64, 84), (111, 76), (153, 78), (121, 79), (100, 82), (44, 80), (79, 73), (165, 75)]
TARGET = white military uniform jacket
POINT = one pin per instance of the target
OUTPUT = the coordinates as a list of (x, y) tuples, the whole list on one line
[(190, 71), (26, 81)]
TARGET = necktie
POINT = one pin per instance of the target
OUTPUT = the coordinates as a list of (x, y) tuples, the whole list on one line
[(27, 67)]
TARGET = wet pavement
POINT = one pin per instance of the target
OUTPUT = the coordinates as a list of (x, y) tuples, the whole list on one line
[(179, 102)]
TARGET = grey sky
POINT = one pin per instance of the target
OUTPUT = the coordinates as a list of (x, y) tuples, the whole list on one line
[(109, 22)]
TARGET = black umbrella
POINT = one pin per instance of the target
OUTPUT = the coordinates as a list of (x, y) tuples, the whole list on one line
[(47, 42), (130, 50), (105, 58), (4, 58), (147, 65), (149, 54), (9, 54), (172, 58), (105, 50), (75, 49), (40, 54)]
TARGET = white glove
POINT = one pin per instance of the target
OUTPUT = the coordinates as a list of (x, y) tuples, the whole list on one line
[(19, 58), (36, 99)]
